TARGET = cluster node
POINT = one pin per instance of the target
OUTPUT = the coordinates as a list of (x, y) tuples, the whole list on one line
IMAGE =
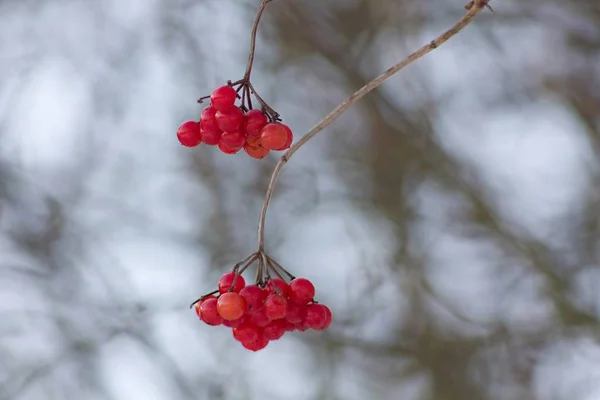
[(232, 127)]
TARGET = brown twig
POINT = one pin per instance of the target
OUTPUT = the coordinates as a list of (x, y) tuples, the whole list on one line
[(261, 8), (474, 7)]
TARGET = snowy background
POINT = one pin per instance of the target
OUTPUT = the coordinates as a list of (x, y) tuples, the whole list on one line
[(450, 219)]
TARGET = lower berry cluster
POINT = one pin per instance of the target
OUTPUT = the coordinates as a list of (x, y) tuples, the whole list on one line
[(258, 314), (232, 127)]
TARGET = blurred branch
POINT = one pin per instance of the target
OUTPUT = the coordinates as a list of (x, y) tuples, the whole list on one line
[(473, 10)]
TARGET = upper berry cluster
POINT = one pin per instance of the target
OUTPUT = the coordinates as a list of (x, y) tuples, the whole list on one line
[(232, 127), (260, 313)]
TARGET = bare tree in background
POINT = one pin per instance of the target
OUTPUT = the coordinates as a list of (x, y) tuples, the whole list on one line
[(459, 294)]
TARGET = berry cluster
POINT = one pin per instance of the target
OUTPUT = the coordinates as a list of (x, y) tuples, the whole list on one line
[(232, 127), (258, 314)]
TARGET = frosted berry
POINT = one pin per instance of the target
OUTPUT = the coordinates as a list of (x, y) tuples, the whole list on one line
[(295, 313), (256, 152), (247, 332), (254, 296), (301, 291), (275, 306), (231, 306), (228, 150), (316, 317), (188, 134), (230, 120), (274, 330), (209, 313), (256, 345), (255, 121), (226, 281), (223, 98), (279, 286), (208, 123), (234, 140), (273, 136)]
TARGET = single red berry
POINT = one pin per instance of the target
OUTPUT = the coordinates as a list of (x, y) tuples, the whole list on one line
[(208, 123), (228, 150), (275, 330), (275, 306), (234, 140), (236, 322), (199, 303), (188, 134), (328, 319), (289, 327), (247, 332), (316, 316), (254, 296), (301, 291), (255, 121), (209, 312), (279, 286), (295, 313), (260, 318), (256, 345), (253, 141), (223, 98), (211, 138), (273, 136), (231, 306), (290, 138), (230, 120), (226, 281), (258, 152)]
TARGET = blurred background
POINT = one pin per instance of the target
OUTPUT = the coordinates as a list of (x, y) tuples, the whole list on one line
[(450, 219)]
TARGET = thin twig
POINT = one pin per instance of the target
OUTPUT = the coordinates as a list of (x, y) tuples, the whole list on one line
[(261, 8), (474, 9)]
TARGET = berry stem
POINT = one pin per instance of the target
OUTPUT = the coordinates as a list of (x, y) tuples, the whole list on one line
[(473, 10), (276, 265), (242, 266), (203, 297), (261, 8)]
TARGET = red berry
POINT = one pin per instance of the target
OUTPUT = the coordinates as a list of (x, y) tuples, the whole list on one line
[(316, 316), (279, 286), (273, 136), (231, 306), (255, 121), (275, 306), (211, 138), (188, 134), (295, 313), (209, 312), (234, 140), (301, 326), (290, 138), (289, 327), (230, 120), (253, 141), (247, 332), (199, 303), (275, 330), (260, 318), (236, 322), (301, 291), (208, 123), (226, 281), (258, 152), (254, 296), (257, 345), (223, 98), (228, 150), (328, 319)]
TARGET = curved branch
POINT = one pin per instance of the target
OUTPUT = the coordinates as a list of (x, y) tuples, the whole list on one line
[(474, 7)]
